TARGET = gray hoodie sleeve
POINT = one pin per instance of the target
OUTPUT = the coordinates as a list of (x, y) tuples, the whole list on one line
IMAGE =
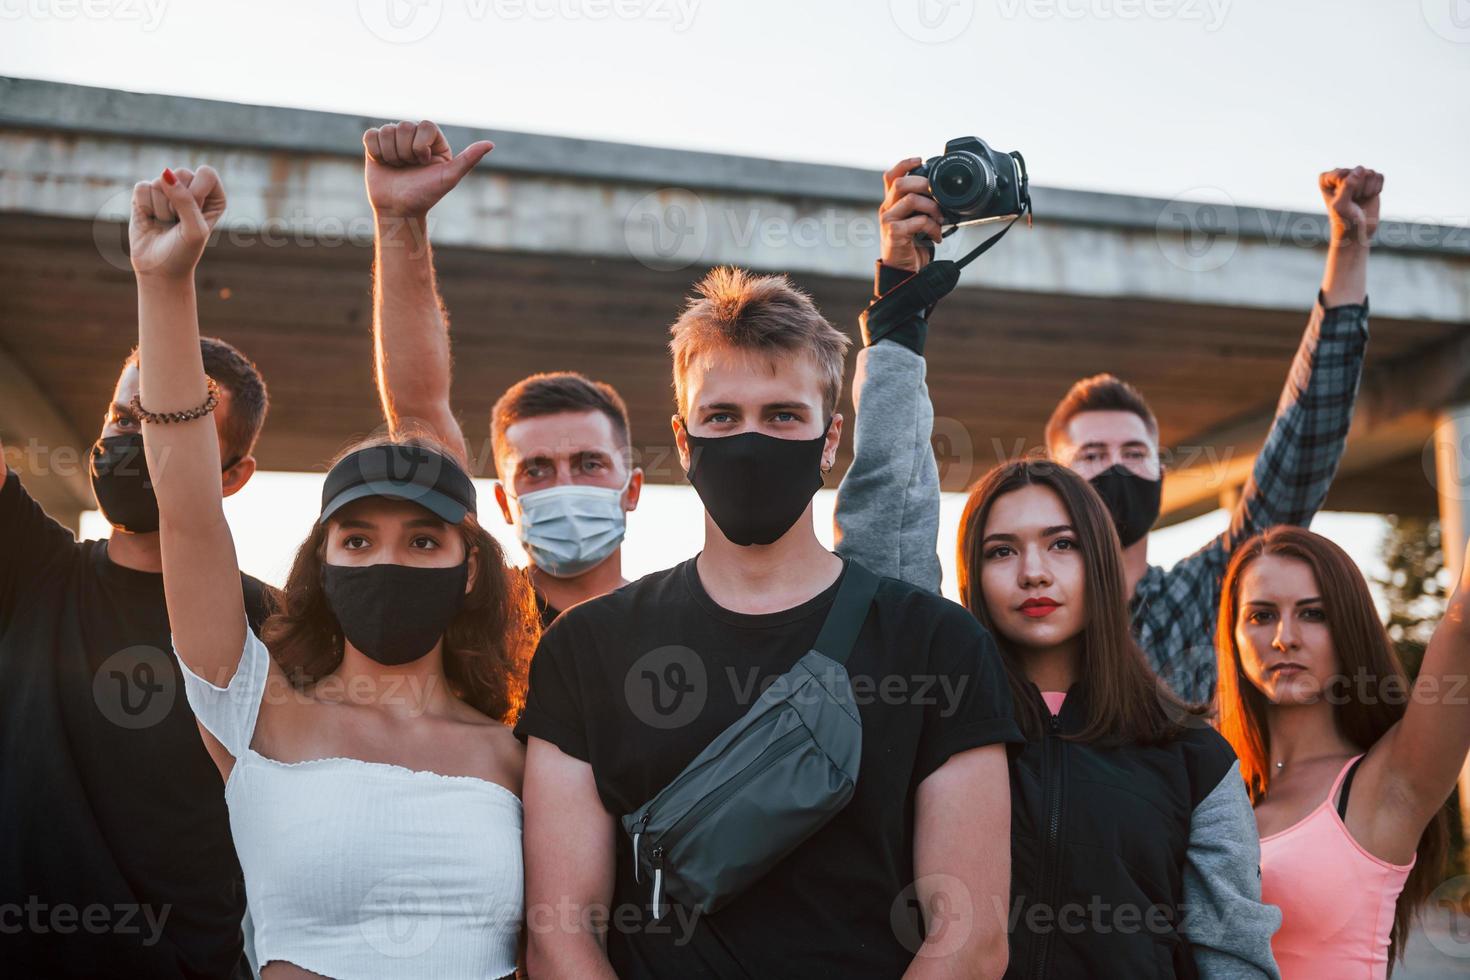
[(888, 503), (1228, 927)]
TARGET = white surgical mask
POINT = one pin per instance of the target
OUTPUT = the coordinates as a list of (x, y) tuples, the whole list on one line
[(569, 529)]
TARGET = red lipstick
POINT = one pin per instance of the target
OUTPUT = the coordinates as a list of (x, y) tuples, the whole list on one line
[(1039, 608)]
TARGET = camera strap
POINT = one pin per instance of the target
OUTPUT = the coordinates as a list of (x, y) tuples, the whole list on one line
[(918, 294)]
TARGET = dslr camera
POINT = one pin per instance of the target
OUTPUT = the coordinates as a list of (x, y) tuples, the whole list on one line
[(974, 183)]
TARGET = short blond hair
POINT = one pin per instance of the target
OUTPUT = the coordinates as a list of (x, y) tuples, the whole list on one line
[(734, 309)]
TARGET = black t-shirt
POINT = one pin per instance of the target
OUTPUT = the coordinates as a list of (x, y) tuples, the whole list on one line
[(544, 609), (115, 850), (637, 682)]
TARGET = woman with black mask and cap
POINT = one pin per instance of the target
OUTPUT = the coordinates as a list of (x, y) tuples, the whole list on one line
[(372, 785)]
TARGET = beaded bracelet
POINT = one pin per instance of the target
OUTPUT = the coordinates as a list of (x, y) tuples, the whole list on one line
[(164, 417)]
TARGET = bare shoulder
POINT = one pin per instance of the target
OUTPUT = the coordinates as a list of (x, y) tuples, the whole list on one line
[(285, 708), (498, 755), (491, 748), (510, 754)]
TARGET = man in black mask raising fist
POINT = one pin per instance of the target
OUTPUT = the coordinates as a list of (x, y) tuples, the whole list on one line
[(1104, 429), (115, 850)]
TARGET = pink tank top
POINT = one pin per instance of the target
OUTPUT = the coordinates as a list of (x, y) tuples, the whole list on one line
[(1337, 900)]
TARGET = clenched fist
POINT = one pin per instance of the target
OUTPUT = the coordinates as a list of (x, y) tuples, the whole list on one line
[(1352, 202), (173, 217), (409, 167)]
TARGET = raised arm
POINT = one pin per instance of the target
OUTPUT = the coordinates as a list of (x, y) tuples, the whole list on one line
[(171, 222), (28, 538), (1413, 768), (1296, 465), (408, 168), (570, 854), (1352, 198), (887, 513)]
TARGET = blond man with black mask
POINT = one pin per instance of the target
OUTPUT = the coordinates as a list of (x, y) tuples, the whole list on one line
[(627, 690)]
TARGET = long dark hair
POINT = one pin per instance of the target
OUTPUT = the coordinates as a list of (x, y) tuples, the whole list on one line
[(1126, 702), (487, 647), (1363, 649)]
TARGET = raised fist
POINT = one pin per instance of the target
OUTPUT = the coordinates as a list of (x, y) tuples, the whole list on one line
[(173, 216), (409, 167), (1352, 202)]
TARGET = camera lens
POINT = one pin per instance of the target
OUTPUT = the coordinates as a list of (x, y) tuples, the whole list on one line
[(955, 182), (962, 183)]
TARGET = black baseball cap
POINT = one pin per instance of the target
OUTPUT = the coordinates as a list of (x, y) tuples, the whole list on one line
[(400, 472)]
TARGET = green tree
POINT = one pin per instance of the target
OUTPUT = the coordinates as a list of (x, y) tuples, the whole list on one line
[(1415, 591), (1416, 586)]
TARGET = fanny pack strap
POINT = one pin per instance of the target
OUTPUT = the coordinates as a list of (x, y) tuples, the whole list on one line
[(849, 611)]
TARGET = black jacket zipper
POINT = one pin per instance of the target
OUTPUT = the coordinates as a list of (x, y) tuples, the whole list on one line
[(1049, 855)]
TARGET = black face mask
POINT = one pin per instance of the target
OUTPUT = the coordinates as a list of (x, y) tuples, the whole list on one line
[(755, 486), (394, 613), (120, 481), (1133, 501), (119, 473)]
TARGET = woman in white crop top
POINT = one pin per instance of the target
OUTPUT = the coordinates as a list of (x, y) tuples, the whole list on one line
[(372, 783)]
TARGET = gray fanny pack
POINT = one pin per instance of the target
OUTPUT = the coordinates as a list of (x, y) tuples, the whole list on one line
[(766, 783)]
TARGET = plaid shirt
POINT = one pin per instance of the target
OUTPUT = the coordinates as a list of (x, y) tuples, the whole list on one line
[(887, 514), (1174, 612)]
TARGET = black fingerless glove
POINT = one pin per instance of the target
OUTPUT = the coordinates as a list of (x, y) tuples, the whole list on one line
[(913, 330)]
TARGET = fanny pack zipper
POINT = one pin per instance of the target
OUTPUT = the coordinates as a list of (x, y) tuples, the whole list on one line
[(772, 753)]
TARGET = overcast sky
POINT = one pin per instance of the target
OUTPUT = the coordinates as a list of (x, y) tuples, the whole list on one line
[(1155, 97)]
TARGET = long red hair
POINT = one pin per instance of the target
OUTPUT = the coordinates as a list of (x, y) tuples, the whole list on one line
[(1363, 649)]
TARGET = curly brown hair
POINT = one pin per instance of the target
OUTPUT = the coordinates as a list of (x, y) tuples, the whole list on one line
[(487, 647)]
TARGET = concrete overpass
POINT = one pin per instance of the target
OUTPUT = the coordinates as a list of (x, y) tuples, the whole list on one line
[(564, 253)]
